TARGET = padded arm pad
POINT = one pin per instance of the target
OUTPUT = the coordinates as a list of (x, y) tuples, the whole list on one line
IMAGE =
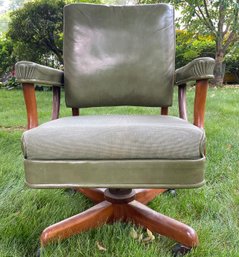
[(200, 68), (30, 72)]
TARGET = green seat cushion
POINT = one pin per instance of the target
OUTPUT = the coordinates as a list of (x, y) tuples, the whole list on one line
[(114, 137)]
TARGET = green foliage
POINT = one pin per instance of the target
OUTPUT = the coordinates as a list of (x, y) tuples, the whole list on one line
[(7, 62), (232, 61), (190, 46), (7, 59), (11, 83), (36, 30)]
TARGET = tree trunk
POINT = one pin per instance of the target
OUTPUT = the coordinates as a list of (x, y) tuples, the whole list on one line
[(219, 70)]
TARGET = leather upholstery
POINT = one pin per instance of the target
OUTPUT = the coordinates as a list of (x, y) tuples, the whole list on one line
[(200, 68), (30, 72), (115, 173), (114, 137), (119, 55)]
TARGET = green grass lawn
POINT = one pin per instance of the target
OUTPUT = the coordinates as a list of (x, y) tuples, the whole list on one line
[(213, 210)]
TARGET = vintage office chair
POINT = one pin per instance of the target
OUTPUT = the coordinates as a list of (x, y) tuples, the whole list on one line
[(117, 55)]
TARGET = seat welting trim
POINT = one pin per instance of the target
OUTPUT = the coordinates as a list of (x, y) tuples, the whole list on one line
[(115, 173)]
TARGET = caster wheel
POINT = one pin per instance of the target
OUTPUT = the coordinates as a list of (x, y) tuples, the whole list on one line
[(180, 250), (172, 192)]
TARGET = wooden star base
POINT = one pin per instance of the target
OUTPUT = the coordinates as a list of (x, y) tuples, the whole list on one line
[(121, 205)]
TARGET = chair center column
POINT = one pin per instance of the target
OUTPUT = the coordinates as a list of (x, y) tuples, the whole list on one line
[(119, 195)]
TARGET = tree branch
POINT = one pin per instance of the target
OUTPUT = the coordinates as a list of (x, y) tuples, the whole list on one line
[(233, 24), (221, 19), (204, 20), (54, 49), (226, 30), (207, 14), (231, 39)]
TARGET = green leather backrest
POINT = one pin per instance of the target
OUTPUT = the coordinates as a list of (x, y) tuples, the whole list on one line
[(119, 55)]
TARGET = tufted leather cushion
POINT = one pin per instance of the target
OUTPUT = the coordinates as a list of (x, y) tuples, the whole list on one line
[(119, 55), (116, 137)]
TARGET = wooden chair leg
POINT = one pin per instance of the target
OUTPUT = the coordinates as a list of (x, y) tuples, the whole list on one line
[(91, 218), (156, 222), (94, 194), (146, 195)]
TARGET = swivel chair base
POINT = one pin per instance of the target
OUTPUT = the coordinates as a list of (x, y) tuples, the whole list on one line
[(124, 205)]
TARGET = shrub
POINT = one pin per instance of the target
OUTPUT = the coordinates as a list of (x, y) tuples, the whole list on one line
[(190, 46)]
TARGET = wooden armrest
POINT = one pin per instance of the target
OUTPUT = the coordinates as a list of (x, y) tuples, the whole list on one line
[(199, 102), (31, 104), (201, 70), (30, 73)]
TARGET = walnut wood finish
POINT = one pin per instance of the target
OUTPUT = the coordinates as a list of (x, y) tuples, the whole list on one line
[(146, 195), (182, 105), (200, 102), (31, 105), (56, 98), (159, 223), (75, 112), (123, 206), (164, 110), (91, 218), (142, 195), (94, 194)]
